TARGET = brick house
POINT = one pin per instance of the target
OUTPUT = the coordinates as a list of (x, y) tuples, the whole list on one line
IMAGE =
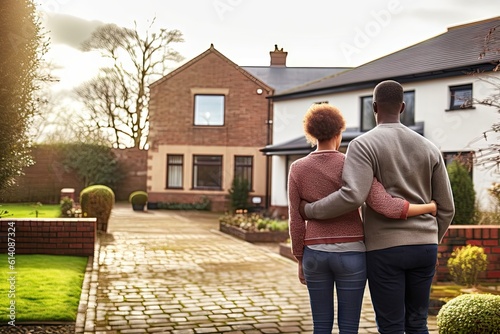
[(209, 119)]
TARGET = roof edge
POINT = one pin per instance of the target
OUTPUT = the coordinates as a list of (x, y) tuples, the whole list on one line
[(203, 55)]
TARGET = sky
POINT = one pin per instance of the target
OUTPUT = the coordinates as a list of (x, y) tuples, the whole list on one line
[(315, 33)]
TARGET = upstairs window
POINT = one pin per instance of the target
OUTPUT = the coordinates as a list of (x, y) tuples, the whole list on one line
[(174, 171), (207, 172), (460, 97), (209, 110), (368, 118)]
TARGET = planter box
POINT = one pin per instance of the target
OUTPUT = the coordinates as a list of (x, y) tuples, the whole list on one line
[(286, 251), (252, 237), (138, 207)]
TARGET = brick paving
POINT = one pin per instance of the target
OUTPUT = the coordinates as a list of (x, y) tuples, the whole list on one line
[(174, 272)]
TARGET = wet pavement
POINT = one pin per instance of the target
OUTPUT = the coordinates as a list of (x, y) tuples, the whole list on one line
[(174, 272)]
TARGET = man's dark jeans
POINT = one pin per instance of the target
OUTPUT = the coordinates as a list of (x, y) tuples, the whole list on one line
[(400, 281)]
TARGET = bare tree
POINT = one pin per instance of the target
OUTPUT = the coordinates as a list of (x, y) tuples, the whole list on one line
[(489, 157), (118, 97)]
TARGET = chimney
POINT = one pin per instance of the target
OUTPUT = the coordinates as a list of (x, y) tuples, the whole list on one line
[(278, 56)]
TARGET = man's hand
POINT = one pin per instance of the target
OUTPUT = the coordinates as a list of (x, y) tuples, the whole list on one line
[(302, 209)]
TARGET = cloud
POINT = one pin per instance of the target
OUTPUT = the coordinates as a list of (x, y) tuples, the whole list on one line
[(69, 30)]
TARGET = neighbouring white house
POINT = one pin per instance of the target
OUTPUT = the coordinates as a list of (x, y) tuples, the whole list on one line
[(440, 77)]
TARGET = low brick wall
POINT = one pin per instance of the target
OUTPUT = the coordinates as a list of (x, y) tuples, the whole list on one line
[(485, 236), (57, 236)]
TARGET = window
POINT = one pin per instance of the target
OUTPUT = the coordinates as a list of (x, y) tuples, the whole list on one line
[(174, 171), (243, 169), (466, 158), (209, 110), (460, 97), (368, 119), (207, 172)]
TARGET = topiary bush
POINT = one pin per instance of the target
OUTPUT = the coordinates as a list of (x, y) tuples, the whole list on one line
[(97, 201), (466, 263), (138, 199), (470, 314), (464, 195)]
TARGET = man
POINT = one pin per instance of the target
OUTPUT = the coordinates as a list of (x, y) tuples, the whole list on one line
[(401, 254)]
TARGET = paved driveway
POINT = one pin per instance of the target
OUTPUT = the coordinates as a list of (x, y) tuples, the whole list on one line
[(174, 272)]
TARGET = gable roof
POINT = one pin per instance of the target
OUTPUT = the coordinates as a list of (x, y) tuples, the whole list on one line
[(284, 78), (452, 53), (277, 78), (212, 50)]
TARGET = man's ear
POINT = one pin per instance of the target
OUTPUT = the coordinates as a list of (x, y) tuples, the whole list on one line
[(403, 106), (374, 106)]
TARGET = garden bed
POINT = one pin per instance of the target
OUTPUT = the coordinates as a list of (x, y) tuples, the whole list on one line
[(253, 237), (286, 251)]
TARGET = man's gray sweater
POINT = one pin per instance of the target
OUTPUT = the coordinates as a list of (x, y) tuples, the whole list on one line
[(409, 166)]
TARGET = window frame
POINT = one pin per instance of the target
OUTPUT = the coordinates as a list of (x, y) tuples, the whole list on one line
[(465, 157), (170, 164), (195, 171), (245, 166), (195, 111), (460, 88)]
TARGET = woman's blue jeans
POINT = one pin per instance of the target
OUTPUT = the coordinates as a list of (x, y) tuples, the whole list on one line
[(345, 270)]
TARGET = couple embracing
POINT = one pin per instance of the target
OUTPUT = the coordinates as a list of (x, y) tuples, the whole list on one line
[(376, 213)]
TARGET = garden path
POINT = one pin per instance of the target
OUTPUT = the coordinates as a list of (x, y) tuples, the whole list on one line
[(174, 272)]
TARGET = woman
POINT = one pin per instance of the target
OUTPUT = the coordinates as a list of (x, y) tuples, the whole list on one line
[(332, 252)]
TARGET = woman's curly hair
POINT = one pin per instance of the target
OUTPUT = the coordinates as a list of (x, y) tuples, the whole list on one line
[(323, 122)]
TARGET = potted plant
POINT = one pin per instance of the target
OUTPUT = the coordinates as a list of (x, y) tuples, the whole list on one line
[(138, 199)]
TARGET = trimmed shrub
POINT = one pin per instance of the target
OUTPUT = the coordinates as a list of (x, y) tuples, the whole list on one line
[(470, 314), (464, 195), (138, 197), (466, 263), (97, 201)]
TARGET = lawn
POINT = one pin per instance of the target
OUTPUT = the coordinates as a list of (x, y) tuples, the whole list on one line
[(42, 288), (30, 210)]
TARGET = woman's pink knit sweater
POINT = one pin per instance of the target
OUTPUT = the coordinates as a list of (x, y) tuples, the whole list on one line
[(316, 176)]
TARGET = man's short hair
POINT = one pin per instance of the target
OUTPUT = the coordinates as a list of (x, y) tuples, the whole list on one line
[(388, 92)]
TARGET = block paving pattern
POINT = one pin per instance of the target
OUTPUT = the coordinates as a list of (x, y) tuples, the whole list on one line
[(174, 272)]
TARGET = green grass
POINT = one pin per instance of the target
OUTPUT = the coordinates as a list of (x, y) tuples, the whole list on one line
[(29, 210), (47, 287)]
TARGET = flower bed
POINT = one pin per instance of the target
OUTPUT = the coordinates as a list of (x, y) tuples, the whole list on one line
[(254, 227)]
